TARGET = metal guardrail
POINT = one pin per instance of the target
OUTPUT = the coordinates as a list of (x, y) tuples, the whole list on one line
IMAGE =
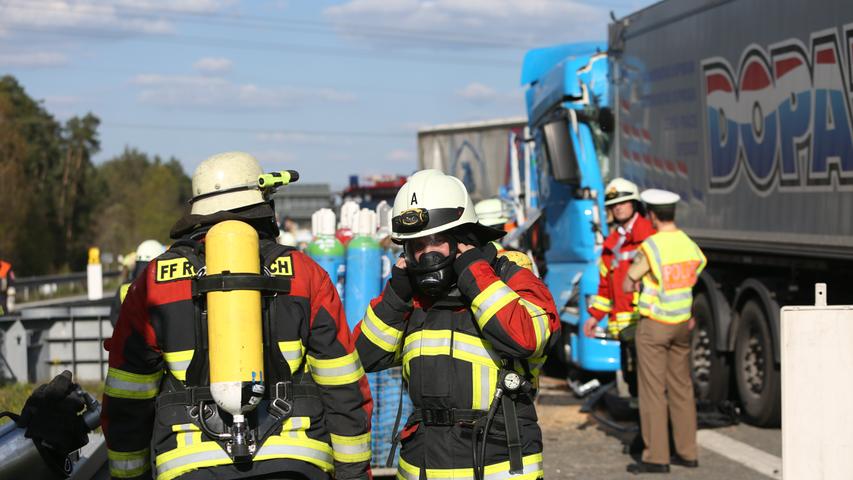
[(62, 278), (26, 286), (39, 343)]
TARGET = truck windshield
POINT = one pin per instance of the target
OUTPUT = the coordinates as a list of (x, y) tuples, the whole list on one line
[(560, 152)]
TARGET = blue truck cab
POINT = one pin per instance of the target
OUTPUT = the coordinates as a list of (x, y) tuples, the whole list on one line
[(570, 122)]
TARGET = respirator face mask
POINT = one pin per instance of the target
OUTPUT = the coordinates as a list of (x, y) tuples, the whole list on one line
[(433, 272)]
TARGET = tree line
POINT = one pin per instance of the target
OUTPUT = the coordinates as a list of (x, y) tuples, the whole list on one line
[(56, 203)]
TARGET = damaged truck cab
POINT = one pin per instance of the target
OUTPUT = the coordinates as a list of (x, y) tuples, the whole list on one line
[(571, 123)]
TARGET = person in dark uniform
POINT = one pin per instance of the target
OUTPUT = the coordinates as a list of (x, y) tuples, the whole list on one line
[(470, 329)]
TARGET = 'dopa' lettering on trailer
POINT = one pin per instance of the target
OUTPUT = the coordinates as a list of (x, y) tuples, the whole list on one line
[(783, 117)]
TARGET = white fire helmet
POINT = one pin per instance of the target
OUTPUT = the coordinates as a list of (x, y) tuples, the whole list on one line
[(430, 202), (224, 182), (149, 250), (620, 190), (493, 212)]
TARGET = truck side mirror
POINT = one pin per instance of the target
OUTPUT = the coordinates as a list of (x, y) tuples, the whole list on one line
[(560, 152)]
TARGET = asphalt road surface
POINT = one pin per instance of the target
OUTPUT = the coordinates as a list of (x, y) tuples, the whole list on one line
[(579, 446)]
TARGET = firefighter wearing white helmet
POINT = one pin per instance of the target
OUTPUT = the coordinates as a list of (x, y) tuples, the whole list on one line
[(620, 190), (146, 251), (302, 368), (629, 228), (493, 212), (451, 289)]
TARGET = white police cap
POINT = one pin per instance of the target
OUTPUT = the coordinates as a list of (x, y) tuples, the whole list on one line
[(654, 196)]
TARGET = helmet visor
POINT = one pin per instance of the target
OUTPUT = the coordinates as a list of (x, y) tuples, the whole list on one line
[(419, 219), (614, 196)]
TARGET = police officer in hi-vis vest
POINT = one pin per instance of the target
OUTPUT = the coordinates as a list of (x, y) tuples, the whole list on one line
[(668, 265)]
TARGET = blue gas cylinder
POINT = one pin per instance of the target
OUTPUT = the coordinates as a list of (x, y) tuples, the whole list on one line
[(363, 276)]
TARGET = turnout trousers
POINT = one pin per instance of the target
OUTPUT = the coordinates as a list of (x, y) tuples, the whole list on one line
[(666, 390)]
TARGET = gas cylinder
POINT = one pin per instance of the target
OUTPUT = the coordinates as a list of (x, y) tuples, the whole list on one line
[(235, 337), (327, 250), (364, 267), (345, 232)]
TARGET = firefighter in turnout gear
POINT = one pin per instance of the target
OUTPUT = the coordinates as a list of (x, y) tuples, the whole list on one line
[(304, 412), (146, 251), (631, 228), (669, 264), (470, 330)]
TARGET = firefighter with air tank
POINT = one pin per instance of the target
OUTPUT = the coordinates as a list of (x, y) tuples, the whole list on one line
[(231, 357)]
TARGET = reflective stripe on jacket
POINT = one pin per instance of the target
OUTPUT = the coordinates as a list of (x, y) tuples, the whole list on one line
[(618, 252), (675, 263)]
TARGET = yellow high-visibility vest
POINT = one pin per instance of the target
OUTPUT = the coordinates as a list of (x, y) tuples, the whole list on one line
[(676, 262)]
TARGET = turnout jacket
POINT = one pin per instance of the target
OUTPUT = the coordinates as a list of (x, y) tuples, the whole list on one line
[(452, 350), (619, 250), (154, 343)]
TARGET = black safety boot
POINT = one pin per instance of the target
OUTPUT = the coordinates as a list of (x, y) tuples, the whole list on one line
[(677, 460), (645, 467)]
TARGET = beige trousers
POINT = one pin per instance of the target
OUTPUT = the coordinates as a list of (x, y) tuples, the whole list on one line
[(664, 384)]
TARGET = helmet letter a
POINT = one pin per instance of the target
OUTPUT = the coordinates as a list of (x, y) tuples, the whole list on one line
[(414, 199)]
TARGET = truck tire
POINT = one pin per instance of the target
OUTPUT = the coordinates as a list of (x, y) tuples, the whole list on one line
[(758, 378), (710, 367)]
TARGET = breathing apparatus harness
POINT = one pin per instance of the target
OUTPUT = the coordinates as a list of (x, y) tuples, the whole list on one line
[(240, 440), (510, 385)]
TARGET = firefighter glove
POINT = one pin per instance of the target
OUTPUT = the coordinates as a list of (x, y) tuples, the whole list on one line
[(52, 417), (401, 283)]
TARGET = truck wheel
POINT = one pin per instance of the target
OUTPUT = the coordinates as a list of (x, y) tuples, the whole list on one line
[(710, 367), (758, 378)]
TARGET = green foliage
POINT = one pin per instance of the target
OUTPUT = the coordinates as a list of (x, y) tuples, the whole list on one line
[(57, 203), (144, 198)]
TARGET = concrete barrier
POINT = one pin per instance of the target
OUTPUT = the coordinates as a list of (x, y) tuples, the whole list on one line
[(817, 358)]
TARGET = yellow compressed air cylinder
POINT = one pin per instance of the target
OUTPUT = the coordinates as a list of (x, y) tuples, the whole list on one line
[(235, 338)]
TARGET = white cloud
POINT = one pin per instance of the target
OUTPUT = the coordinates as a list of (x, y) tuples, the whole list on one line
[(213, 65), (496, 23), (32, 59), (480, 94), (24, 15), (477, 92), (187, 91), (121, 16), (400, 155), (196, 6)]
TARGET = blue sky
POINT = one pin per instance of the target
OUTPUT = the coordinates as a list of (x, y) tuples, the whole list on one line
[(329, 88)]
